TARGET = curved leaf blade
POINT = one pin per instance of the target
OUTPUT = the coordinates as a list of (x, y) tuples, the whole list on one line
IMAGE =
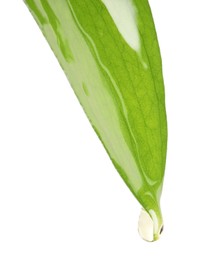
[(110, 54)]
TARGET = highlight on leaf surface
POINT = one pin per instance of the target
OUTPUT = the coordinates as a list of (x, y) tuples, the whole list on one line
[(110, 55)]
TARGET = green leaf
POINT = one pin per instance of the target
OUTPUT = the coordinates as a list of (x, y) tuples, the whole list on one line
[(110, 55)]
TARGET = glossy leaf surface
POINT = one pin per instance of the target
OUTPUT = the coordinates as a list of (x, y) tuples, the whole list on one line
[(110, 55)]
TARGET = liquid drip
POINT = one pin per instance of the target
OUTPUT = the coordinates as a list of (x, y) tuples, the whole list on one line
[(146, 227)]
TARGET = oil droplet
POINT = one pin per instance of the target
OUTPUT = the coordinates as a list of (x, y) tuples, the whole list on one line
[(145, 226), (148, 229)]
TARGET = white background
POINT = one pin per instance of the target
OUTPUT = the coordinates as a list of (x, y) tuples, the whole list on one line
[(60, 196)]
